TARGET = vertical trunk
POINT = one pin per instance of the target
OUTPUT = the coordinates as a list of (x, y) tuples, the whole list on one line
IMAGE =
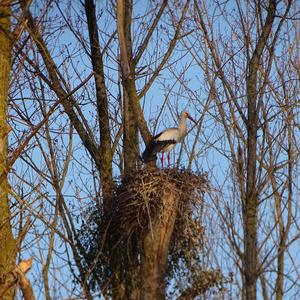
[(251, 201), (250, 210), (285, 229), (130, 152), (128, 69), (130, 129), (102, 103), (264, 287), (8, 246), (130, 136), (155, 248), (280, 268), (132, 270)]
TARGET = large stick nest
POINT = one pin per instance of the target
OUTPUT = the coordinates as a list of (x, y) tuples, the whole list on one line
[(111, 238), (138, 200)]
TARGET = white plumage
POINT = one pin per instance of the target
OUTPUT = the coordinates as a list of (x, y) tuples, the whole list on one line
[(166, 140)]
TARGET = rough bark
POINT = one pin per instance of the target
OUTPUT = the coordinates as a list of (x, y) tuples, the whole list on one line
[(102, 103), (130, 136), (155, 247), (284, 228), (17, 275), (251, 201), (130, 146), (8, 246)]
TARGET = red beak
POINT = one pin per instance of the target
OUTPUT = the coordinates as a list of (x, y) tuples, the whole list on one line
[(192, 119)]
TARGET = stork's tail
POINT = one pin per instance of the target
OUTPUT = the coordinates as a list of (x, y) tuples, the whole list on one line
[(150, 153)]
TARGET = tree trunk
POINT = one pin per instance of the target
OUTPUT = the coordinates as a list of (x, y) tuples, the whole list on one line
[(155, 247), (8, 246), (130, 146), (18, 276), (102, 104), (251, 201), (127, 68)]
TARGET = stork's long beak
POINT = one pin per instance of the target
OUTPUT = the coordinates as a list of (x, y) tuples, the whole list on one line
[(192, 119)]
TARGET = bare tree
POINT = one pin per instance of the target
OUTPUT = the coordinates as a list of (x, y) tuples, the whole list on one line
[(8, 244), (134, 73), (10, 273), (241, 69), (91, 83)]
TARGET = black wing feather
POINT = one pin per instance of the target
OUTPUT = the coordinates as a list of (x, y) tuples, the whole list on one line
[(154, 147)]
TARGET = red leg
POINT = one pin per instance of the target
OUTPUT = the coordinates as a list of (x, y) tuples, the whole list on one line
[(168, 156), (162, 160)]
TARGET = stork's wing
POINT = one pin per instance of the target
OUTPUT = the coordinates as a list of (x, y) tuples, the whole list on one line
[(166, 135), (154, 147)]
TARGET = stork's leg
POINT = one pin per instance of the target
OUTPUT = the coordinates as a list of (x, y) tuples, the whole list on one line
[(162, 160), (168, 156)]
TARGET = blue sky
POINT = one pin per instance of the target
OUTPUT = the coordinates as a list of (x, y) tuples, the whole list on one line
[(182, 86)]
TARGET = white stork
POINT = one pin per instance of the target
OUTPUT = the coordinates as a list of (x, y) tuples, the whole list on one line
[(166, 140)]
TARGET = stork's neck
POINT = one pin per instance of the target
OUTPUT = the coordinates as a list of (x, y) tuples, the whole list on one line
[(182, 127)]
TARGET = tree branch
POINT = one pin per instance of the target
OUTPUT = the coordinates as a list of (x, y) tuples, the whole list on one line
[(18, 276), (146, 40), (128, 75), (16, 153), (168, 53), (57, 87)]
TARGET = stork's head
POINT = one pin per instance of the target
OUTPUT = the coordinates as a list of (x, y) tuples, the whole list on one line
[(185, 115)]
